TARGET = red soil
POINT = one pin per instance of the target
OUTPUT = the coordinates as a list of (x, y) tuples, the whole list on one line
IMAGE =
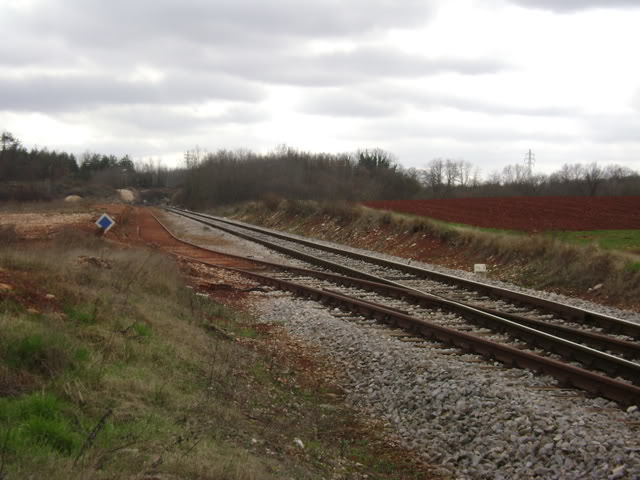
[(527, 213)]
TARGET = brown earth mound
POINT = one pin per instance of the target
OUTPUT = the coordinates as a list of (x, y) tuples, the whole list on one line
[(527, 213)]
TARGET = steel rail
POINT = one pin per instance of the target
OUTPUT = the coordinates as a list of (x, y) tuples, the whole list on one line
[(596, 384), (594, 340), (569, 312), (621, 392), (568, 349)]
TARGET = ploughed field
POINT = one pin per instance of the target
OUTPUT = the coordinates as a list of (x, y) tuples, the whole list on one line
[(527, 213)]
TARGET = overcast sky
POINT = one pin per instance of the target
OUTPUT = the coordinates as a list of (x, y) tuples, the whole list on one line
[(479, 80)]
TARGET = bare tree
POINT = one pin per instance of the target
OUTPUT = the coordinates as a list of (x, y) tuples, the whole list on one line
[(466, 173), (451, 173), (433, 176), (593, 177), (570, 172)]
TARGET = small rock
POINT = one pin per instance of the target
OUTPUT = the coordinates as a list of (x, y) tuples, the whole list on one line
[(597, 287), (617, 472), (96, 262), (298, 443), (49, 296), (5, 287), (632, 409)]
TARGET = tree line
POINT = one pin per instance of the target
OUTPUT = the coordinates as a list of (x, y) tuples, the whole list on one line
[(442, 178), (229, 176), (234, 176), (18, 164)]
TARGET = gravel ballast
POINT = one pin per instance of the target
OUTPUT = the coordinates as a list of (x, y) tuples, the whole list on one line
[(476, 420)]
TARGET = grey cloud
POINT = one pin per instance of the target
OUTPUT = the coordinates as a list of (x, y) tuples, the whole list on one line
[(614, 128), (26, 50), (253, 39), (392, 63), (462, 133), (48, 93), (481, 106), (161, 120), (122, 21), (567, 6), (379, 100), (432, 100), (340, 68), (344, 103)]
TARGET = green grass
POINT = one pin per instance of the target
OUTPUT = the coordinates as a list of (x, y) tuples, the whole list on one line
[(625, 240), (85, 314), (39, 425)]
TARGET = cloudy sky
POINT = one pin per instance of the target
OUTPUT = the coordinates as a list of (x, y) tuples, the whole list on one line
[(479, 80)]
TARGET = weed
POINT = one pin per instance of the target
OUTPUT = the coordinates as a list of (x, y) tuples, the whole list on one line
[(85, 314), (81, 355), (37, 423), (38, 354), (633, 267), (54, 433), (142, 330), (246, 332), (10, 306)]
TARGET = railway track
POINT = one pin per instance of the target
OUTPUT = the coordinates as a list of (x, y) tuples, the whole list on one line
[(472, 328), (410, 276)]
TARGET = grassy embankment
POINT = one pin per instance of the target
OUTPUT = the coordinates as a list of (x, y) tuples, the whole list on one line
[(533, 260), (111, 368)]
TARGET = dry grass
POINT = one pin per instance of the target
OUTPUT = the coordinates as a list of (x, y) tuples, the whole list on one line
[(51, 206), (117, 376), (534, 260)]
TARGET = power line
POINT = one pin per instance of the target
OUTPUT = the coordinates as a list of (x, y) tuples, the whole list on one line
[(529, 160)]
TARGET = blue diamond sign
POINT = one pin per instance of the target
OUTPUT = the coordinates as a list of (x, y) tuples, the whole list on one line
[(105, 222)]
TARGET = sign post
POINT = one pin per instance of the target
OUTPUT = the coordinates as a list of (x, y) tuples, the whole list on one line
[(480, 268), (105, 222)]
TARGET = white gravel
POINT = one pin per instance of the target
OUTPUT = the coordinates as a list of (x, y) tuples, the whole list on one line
[(476, 421)]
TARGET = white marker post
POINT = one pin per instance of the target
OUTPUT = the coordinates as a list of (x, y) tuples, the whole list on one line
[(105, 222), (480, 268)]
